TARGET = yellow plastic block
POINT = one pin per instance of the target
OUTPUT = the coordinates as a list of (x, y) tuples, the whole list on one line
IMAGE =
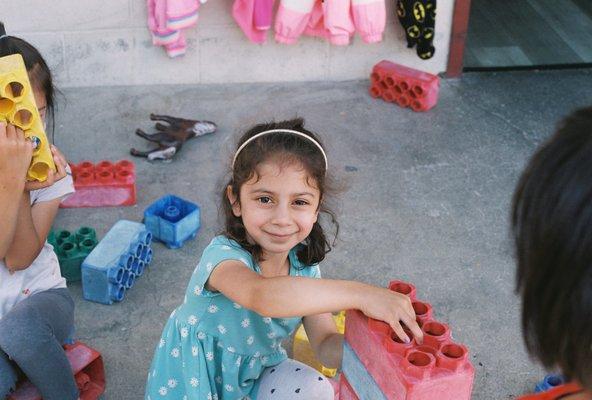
[(17, 107), (303, 352)]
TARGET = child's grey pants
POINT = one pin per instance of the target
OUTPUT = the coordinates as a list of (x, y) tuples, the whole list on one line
[(31, 337)]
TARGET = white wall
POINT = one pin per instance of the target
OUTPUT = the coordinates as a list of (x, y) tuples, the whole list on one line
[(107, 42)]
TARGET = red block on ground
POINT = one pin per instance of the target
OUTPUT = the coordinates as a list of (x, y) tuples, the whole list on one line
[(103, 185), (346, 392), (88, 369), (437, 369), (405, 86)]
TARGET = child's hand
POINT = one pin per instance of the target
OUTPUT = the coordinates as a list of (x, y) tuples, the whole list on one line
[(15, 152), (52, 176), (392, 308)]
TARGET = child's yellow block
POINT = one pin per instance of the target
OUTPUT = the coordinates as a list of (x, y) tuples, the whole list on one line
[(17, 107), (304, 353)]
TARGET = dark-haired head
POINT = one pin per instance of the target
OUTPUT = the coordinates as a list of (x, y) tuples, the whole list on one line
[(282, 149), (39, 73), (552, 229)]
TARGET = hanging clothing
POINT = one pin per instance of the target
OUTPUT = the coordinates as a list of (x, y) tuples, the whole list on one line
[(335, 20), (254, 18), (166, 21), (418, 18)]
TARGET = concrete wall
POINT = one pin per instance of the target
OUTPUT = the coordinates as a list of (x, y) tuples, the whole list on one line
[(106, 42)]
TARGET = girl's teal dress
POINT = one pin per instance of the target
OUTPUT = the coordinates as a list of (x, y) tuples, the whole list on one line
[(212, 348)]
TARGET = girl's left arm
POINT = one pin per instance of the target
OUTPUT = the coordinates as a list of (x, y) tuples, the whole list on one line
[(324, 338), (32, 227)]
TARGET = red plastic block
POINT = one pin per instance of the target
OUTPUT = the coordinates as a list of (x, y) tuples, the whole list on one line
[(405, 86), (89, 373), (437, 369), (103, 185), (346, 392)]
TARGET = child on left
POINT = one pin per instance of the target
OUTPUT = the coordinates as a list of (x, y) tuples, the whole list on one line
[(36, 310)]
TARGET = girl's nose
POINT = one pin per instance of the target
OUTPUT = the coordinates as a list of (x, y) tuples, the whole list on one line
[(281, 215)]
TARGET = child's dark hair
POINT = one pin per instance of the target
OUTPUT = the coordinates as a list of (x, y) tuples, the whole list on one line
[(286, 149), (552, 229), (37, 68)]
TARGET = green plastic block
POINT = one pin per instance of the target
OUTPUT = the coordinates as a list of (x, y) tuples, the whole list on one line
[(72, 249)]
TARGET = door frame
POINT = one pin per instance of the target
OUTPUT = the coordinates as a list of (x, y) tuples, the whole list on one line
[(458, 38)]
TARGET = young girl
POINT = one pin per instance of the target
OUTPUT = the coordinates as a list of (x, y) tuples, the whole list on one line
[(36, 310), (255, 283), (552, 227)]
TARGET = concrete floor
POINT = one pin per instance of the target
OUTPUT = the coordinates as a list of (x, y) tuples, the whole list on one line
[(427, 200)]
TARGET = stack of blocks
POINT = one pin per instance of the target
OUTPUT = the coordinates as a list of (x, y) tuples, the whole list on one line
[(302, 351), (102, 185), (117, 261), (87, 367), (405, 86), (17, 107), (72, 249), (377, 365), (172, 220)]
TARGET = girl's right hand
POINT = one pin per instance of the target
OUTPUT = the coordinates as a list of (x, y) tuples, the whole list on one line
[(15, 153), (392, 308)]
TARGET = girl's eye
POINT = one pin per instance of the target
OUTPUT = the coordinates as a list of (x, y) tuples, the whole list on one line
[(301, 202), (264, 200)]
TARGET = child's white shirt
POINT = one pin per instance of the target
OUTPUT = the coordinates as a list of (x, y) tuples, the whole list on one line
[(44, 273)]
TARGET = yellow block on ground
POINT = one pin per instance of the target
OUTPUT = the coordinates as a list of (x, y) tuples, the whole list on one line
[(17, 107), (303, 352)]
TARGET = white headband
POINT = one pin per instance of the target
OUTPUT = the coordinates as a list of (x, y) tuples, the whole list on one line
[(249, 140)]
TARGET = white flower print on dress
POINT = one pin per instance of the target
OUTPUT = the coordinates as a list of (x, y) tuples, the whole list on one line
[(175, 352), (231, 349), (209, 356), (161, 343), (284, 322), (257, 354), (194, 351), (264, 359), (237, 306), (172, 383), (210, 396), (252, 363), (229, 388), (267, 320), (197, 290), (238, 361), (221, 329), (184, 332), (163, 391), (223, 368), (270, 335), (213, 309), (219, 380), (192, 320), (245, 323), (215, 396), (201, 335), (250, 340), (194, 382)]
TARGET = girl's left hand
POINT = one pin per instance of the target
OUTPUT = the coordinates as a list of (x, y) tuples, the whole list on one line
[(52, 176)]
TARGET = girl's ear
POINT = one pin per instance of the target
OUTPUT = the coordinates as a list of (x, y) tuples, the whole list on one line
[(234, 203)]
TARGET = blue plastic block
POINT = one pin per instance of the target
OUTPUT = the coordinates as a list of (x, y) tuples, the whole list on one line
[(358, 377), (549, 382), (117, 261), (172, 220)]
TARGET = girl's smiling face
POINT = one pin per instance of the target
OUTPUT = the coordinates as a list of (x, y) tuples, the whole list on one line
[(278, 206)]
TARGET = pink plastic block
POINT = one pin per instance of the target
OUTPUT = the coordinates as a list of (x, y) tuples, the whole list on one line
[(346, 392), (88, 369), (103, 185), (437, 369), (405, 86)]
